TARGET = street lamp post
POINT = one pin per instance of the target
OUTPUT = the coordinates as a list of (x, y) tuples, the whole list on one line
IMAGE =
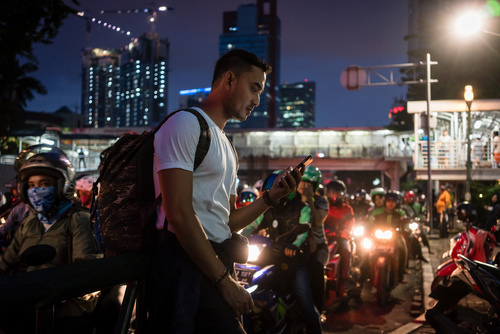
[(468, 97)]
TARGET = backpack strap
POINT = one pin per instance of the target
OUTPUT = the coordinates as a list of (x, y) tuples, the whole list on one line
[(205, 136), (203, 142), (234, 150)]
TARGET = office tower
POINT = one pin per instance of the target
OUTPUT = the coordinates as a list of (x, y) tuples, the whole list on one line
[(256, 28), (100, 87), (127, 87), (297, 105)]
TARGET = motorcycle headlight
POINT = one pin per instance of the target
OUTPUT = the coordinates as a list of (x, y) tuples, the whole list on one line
[(253, 253), (413, 226), (367, 243), (379, 234), (358, 231)]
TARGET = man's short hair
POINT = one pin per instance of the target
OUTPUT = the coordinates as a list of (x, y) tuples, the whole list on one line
[(238, 61)]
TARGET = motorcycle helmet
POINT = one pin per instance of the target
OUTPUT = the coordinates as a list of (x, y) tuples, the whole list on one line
[(393, 195), (377, 191), (258, 184), (409, 196), (466, 212), (247, 196), (31, 151), (360, 195), (85, 183), (268, 183), (54, 163), (313, 175), (339, 187)]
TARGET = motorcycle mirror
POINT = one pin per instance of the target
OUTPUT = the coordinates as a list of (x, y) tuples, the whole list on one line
[(38, 254)]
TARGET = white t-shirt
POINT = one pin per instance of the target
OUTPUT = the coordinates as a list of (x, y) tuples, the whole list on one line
[(213, 181), (496, 144)]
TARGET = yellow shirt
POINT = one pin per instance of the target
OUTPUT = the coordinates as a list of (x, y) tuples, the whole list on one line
[(442, 201)]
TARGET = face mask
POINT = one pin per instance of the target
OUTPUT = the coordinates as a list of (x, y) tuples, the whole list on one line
[(42, 198)]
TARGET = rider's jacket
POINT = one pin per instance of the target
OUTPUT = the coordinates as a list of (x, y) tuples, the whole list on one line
[(360, 209), (282, 218), (385, 217), (340, 218), (413, 210)]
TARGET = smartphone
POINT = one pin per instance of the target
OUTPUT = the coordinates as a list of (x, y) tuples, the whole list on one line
[(303, 164)]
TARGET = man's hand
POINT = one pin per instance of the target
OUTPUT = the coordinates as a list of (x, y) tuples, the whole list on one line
[(289, 179), (236, 296), (290, 252)]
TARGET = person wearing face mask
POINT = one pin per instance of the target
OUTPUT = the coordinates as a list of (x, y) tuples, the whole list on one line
[(47, 185)]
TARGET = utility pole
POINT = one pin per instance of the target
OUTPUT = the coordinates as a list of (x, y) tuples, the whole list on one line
[(355, 77)]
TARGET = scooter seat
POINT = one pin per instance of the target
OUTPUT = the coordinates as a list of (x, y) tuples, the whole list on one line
[(493, 270)]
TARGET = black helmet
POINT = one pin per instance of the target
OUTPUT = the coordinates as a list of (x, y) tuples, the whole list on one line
[(466, 212), (394, 195), (54, 163), (31, 151), (337, 186), (360, 193)]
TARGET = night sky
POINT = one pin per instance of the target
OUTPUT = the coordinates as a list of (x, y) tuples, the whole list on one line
[(319, 39)]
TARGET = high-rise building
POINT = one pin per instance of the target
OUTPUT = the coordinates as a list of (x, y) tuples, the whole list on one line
[(127, 87), (256, 28), (100, 87), (297, 106)]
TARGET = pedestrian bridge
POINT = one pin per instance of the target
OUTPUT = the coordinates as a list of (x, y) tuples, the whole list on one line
[(261, 151)]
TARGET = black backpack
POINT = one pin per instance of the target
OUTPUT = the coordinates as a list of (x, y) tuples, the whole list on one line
[(124, 203)]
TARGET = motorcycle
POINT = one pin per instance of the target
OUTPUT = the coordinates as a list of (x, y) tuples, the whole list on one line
[(473, 243), (471, 276), (419, 231), (266, 277), (333, 268), (381, 261)]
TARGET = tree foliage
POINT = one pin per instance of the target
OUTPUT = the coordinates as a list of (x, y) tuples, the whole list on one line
[(23, 23)]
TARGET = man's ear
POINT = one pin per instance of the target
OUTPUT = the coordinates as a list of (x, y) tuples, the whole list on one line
[(229, 79)]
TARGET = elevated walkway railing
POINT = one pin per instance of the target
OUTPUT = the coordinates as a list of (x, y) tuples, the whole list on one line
[(453, 155)]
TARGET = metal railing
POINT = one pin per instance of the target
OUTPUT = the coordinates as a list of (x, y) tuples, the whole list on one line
[(347, 151), (41, 288), (453, 155)]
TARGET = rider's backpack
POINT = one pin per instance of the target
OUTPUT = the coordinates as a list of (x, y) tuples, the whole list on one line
[(124, 202)]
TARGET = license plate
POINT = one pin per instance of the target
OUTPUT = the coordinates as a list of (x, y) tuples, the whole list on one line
[(244, 275)]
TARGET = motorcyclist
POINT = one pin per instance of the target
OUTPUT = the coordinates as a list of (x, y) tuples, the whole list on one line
[(413, 209), (359, 205), (392, 216), (247, 196), (47, 183), (378, 197), (338, 226), (278, 220), (308, 189)]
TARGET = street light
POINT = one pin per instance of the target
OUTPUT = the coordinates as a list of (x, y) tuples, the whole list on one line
[(469, 23), (468, 97)]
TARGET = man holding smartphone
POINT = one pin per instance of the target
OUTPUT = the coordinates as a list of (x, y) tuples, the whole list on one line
[(194, 288)]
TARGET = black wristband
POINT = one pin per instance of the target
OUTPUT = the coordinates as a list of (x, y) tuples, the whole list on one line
[(269, 202), (222, 276)]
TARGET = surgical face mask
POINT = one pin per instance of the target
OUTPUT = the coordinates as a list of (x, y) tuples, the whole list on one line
[(42, 198)]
